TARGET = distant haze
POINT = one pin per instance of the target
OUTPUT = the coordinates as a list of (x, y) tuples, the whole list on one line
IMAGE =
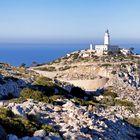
[(69, 21)]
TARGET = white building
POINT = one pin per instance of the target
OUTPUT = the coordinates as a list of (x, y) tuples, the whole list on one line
[(106, 47), (125, 51)]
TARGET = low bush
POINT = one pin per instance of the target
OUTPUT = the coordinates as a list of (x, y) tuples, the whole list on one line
[(134, 121), (116, 102), (124, 103), (111, 94), (106, 65), (53, 98), (47, 69), (75, 56), (49, 128), (107, 101), (44, 81), (28, 93), (84, 102), (123, 65), (17, 125), (14, 124)]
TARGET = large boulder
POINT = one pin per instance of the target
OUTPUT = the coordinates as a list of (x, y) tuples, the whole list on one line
[(10, 88)]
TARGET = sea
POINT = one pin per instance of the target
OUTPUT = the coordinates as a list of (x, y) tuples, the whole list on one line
[(19, 53)]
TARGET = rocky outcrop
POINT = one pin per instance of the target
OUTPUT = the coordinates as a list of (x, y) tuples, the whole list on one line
[(76, 122), (10, 87), (38, 135)]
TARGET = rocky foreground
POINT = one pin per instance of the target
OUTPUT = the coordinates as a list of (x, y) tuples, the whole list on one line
[(33, 107), (74, 122)]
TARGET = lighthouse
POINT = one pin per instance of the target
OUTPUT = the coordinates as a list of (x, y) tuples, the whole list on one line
[(107, 38), (106, 47)]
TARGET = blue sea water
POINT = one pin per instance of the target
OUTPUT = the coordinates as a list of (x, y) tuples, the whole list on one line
[(16, 54)]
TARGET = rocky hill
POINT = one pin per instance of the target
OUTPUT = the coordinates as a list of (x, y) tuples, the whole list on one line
[(45, 103), (92, 69)]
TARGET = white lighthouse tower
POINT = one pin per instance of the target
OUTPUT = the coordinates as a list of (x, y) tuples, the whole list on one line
[(107, 38), (106, 47)]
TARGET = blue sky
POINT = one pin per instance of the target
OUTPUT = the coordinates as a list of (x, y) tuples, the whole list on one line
[(69, 21)]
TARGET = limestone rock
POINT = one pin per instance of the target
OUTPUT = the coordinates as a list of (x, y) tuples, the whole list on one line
[(57, 108), (91, 108), (40, 133), (18, 110)]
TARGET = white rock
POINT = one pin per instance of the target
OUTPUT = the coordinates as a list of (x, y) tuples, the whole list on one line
[(119, 116), (57, 108), (40, 133), (18, 110)]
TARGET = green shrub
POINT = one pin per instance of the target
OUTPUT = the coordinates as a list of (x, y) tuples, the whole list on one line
[(28, 93), (44, 81), (124, 103), (83, 102), (6, 112), (52, 99), (47, 68), (123, 65), (14, 124), (75, 55), (17, 125), (55, 97), (134, 121), (106, 65), (107, 101), (111, 94), (49, 128)]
